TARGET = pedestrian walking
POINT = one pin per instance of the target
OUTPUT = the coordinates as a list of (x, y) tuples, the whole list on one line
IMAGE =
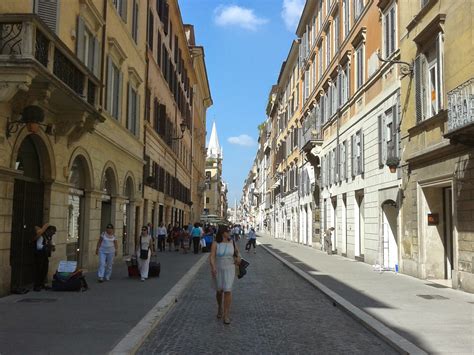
[(196, 234), (144, 251), (185, 240), (328, 240), (161, 231), (176, 237), (252, 241), (224, 257), (169, 238), (43, 248), (106, 250)]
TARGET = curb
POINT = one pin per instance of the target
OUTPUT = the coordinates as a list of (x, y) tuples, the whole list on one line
[(137, 336), (394, 339)]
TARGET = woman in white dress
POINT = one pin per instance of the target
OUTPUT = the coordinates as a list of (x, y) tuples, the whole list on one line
[(224, 257), (145, 246)]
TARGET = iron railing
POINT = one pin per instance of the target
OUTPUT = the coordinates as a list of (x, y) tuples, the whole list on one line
[(25, 37), (461, 106)]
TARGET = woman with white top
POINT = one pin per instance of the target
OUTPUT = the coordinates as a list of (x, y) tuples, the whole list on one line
[(106, 249), (145, 248), (224, 257)]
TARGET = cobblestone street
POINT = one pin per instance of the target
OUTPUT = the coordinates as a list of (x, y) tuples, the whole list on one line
[(273, 311)]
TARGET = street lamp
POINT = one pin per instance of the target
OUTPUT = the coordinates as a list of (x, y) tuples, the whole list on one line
[(182, 126), (32, 116)]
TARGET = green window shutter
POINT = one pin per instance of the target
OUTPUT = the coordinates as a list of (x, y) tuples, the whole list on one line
[(80, 39), (362, 155), (380, 140), (439, 58), (420, 84)]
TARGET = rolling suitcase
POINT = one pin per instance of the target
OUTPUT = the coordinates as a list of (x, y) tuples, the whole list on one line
[(155, 269)]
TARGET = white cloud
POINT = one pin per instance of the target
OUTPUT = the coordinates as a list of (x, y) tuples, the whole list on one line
[(243, 140), (234, 15), (291, 13)]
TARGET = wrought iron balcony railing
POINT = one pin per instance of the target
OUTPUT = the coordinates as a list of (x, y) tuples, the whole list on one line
[(311, 133), (461, 113), (25, 39)]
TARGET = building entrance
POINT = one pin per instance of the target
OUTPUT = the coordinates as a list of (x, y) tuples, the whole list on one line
[(28, 199)]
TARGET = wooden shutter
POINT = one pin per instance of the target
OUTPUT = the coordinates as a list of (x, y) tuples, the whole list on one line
[(119, 96), (166, 10), (151, 27), (123, 10), (346, 159), (419, 86), (362, 155), (129, 107), (380, 140), (439, 57), (97, 56), (137, 115), (80, 39), (353, 156), (397, 120), (109, 88), (47, 10)]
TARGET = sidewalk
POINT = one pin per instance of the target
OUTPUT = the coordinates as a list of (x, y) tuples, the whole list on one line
[(90, 322), (436, 318)]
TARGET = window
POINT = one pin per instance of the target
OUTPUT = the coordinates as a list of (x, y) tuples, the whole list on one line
[(306, 85), (389, 24), (357, 153), (133, 110), (320, 62), (336, 33), (347, 18), (47, 10), (429, 79), (135, 21), (150, 30), (360, 67), (358, 8), (328, 47), (342, 161), (389, 135), (320, 15), (207, 199), (121, 6), (343, 85), (87, 47), (114, 89)]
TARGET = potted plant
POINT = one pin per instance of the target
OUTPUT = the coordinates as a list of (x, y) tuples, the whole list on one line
[(392, 163)]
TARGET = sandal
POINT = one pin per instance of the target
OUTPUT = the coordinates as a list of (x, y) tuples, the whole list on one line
[(226, 321), (219, 313)]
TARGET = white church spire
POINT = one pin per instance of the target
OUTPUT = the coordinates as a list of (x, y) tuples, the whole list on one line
[(214, 149)]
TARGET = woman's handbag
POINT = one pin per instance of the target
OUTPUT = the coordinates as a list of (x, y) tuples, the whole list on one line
[(143, 252)]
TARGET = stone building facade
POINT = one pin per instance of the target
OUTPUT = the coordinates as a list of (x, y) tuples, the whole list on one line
[(82, 168), (73, 136), (437, 240)]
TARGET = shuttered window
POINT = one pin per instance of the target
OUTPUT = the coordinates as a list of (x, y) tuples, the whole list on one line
[(133, 112), (151, 29), (47, 10), (135, 21), (428, 70), (122, 7), (114, 89), (360, 67), (389, 30), (88, 48)]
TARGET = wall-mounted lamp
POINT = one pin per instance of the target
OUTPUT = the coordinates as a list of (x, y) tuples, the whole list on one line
[(406, 68), (182, 126), (32, 116)]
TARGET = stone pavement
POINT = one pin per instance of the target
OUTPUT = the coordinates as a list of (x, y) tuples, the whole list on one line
[(90, 322), (273, 311), (435, 318)]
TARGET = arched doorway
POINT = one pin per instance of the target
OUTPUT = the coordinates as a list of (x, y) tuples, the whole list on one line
[(108, 188), (76, 209), (389, 234), (127, 217), (28, 200)]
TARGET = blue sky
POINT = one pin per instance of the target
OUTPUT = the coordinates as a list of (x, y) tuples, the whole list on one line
[(245, 43)]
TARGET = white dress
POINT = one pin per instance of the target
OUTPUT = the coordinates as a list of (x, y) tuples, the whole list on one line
[(225, 266)]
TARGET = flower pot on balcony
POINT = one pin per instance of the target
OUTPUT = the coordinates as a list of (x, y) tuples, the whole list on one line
[(393, 168), (392, 163), (32, 127)]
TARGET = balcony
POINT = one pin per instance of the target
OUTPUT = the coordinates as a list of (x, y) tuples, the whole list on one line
[(461, 114), (38, 68), (311, 139)]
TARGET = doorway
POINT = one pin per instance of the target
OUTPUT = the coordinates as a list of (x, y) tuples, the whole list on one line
[(389, 235), (437, 230), (359, 217), (108, 190), (28, 200), (344, 225), (334, 224)]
